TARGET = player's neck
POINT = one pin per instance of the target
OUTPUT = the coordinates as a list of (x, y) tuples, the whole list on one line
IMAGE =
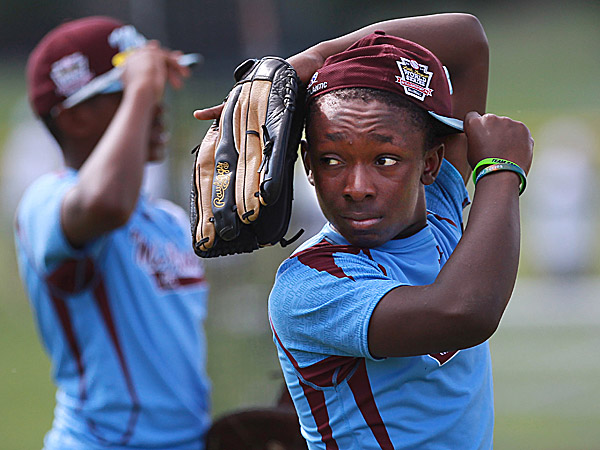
[(75, 154)]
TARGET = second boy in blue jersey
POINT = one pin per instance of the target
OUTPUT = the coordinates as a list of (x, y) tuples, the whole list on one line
[(118, 296)]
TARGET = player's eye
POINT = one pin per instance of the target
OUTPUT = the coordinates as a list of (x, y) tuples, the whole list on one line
[(328, 161), (386, 161)]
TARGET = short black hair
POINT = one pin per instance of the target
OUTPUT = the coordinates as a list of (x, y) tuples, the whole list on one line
[(418, 117)]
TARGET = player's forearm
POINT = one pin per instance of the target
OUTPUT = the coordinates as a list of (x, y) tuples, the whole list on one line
[(482, 270), (110, 179), (457, 39), (121, 154)]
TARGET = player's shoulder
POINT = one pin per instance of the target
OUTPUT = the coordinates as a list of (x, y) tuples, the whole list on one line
[(448, 196), (172, 210), (44, 189)]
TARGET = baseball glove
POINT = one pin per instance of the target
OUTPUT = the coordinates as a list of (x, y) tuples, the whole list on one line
[(242, 185)]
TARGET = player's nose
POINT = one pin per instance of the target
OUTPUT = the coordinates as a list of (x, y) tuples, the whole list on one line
[(359, 184)]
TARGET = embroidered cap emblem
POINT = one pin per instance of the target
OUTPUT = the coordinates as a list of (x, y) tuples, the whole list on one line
[(415, 78)]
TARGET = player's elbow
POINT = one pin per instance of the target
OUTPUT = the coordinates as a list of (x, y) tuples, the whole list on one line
[(473, 28), (476, 322), (111, 213), (474, 40)]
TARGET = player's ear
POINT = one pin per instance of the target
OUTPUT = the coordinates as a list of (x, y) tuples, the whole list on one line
[(433, 163), (306, 161)]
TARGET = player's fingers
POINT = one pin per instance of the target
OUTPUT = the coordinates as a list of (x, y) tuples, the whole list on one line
[(203, 181), (250, 168), (470, 117), (212, 113), (175, 71), (240, 124)]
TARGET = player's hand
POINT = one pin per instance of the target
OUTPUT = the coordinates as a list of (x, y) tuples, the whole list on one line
[(491, 136), (153, 66), (212, 113), (305, 63)]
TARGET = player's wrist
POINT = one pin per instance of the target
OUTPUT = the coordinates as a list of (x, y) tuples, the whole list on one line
[(489, 166), (143, 90), (307, 63)]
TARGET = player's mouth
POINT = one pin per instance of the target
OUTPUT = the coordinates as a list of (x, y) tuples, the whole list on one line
[(361, 221)]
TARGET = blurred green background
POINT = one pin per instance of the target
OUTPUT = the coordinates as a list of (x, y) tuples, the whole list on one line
[(545, 67)]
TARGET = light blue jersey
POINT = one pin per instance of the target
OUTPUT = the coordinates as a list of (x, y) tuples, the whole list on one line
[(320, 308), (122, 321)]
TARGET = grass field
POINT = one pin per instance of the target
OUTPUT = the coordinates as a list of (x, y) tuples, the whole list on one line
[(546, 368)]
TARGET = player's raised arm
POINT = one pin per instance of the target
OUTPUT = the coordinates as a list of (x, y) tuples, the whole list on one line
[(120, 136), (457, 39), (464, 305)]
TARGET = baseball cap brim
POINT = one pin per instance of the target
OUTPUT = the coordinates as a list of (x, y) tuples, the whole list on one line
[(110, 82), (448, 125)]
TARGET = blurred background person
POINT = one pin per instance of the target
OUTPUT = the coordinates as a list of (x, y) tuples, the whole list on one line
[(118, 296)]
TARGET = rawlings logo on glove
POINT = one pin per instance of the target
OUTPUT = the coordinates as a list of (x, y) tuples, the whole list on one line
[(241, 196)]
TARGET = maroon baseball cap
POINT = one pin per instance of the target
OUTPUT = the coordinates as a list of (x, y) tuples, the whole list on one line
[(72, 59), (388, 63)]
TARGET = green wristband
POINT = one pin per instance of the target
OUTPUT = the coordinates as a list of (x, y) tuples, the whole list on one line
[(500, 166), (488, 162)]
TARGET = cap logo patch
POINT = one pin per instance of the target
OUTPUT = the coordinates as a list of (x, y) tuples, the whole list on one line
[(70, 73), (313, 79), (313, 86), (415, 78)]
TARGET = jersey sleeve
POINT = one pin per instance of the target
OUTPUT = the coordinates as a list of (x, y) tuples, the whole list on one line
[(322, 302), (39, 234), (178, 215), (448, 196)]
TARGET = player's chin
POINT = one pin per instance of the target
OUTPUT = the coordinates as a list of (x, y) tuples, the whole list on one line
[(362, 238), (157, 153), (363, 232)]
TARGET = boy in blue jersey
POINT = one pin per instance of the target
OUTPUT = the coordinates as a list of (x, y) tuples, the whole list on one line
[(118, 296), (381, 320)]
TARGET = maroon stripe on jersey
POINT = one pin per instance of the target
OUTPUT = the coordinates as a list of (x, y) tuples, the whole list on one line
[(318, 408), (320, 257), (170, 283), (315, 398), (328, 372), (445, 219), (368, 253), (190, 280), (70, 277), (102, 301), (363, 395), (325, 373), (65, 321)]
